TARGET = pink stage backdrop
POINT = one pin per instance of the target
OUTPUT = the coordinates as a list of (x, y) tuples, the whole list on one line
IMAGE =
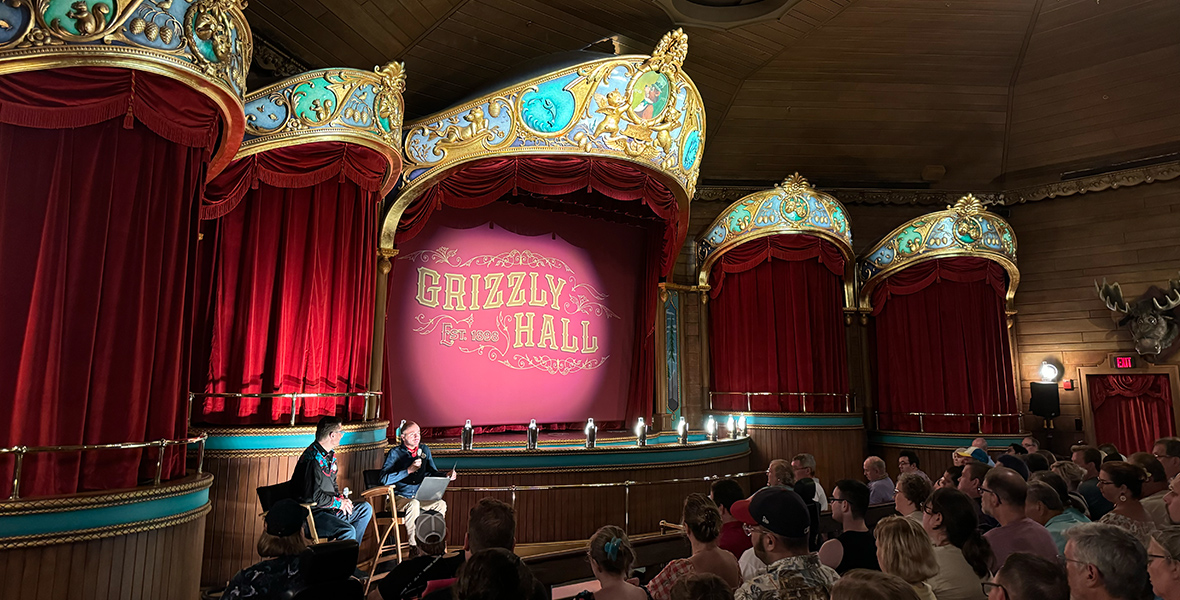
[(507, 313)]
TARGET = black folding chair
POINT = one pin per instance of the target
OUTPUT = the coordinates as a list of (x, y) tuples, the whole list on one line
[(270, 494)]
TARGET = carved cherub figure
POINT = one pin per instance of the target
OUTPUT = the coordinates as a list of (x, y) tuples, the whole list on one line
[(612, 106)]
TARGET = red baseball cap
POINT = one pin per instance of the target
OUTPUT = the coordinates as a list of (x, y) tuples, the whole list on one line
[(777, 509)]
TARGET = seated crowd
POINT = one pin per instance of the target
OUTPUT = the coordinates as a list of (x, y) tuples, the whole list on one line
[(1022, 525)]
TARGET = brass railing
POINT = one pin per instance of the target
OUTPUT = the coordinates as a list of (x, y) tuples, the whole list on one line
[(160, 445), (922, 418), (626, 485), (295, 398), (849, 404)]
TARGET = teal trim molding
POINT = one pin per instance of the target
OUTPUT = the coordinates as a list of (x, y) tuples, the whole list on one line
[(661, 451), (948, 441), (286, 438), (88, 516), (794, 420)]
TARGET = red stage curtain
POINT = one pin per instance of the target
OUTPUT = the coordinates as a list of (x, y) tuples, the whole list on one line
[(98, 226), (779, 324), (1131, 411), (489, 180), (942, 347), (290, 301)]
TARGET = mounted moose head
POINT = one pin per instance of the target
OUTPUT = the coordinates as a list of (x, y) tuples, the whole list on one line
[(1151, 323)]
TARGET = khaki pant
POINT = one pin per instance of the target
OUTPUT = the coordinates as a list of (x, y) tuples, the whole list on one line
[(413, 508)]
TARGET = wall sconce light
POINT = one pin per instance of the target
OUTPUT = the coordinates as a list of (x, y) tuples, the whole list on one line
[(591, 433), (1050, 373), (730, 428), (742, 429), (467, 438), (711, 429), (531, 435), (640, 432), (682, 432)]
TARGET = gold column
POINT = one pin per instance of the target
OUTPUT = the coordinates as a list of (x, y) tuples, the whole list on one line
[(377, 360)]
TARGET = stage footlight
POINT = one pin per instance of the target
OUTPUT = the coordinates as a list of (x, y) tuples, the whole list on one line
[(711, 429), (730, 428), (742, 429), (531, 439), (640, 432), (591, 433), (467, 438), (682, 432)]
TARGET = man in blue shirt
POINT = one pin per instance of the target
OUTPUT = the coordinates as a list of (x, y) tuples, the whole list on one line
[(406, 465)]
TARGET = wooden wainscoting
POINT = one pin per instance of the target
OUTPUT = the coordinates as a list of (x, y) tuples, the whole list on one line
[(839, 453)]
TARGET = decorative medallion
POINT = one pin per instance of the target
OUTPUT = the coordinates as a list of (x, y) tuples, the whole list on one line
[(791, 207), (640, 109), (964, 229), (345, 105), (203, 43)]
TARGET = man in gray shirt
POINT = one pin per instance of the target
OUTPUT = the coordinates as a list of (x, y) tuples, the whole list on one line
[(880, 485)]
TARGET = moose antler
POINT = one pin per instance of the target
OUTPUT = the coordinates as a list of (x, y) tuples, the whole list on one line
[(1112, 295), (1172, 297)]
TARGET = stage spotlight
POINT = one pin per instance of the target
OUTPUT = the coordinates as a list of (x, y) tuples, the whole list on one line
[(467, 438), (591, 433), (730, 428), (1049, 372), (640, 433), (682, 431), (531, 435), (711, 429), (742, 430)]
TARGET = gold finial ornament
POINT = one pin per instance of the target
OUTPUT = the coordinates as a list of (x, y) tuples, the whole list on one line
[(393, 76), (967, 205), (669, 55), (796, 184)]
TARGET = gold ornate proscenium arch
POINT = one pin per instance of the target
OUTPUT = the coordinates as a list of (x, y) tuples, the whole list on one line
[(791, 207), (639, 109), (205, 44), (331, 105), (964, 229)]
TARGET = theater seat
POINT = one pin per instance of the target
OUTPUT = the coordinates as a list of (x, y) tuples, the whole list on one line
[(327, 570), (386, 520)]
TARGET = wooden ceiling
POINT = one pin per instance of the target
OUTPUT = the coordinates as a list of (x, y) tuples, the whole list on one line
[(1000, 93)]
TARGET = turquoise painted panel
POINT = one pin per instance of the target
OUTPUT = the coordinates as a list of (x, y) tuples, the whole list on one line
[(805, 421), (692, 147), (106, 516), (285, 441), (939, 442), (550, 108), (590, 458)]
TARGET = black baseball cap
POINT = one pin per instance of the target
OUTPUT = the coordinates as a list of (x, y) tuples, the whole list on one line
[(285, 518), (779, 510)]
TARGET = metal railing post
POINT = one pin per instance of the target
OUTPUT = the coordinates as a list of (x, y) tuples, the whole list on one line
[(627, 506), (20, 459), (804, 403), (162, 445), (294, 409), (189, 418), (201, 454), (848, 403), (979, 423), (921, 423), (514, 495), (748, 403)]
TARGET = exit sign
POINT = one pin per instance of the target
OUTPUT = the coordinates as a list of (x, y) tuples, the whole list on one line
[(1124, 362)]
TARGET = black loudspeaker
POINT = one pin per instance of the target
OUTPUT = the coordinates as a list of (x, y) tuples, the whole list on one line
[(1045, 401)]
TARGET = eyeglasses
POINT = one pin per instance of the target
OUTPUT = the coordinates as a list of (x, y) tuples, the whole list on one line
[(750, 529), (1105, 481), (830, 500), (1159, 556), (989, 586), (1073, 560), (983, 490)]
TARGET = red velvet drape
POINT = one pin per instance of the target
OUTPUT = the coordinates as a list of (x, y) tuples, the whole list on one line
[(289, 306), (1131, 411), (942, 347), (777, 325), (102, 177)]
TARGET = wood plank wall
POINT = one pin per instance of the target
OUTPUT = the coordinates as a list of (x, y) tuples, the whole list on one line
[(156, 564), (233, 526), (1127, 235), (839, 453)]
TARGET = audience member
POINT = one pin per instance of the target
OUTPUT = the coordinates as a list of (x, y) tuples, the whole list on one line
[(1122, 484), (1004, 496), (1105, 562), (1073, 476), (1016, 450), (880, 485), (702, 526), (963, 556), (803, 466), (979, 443), (1110, 453), (971, 483), (495, 574), (1015, 463), (1036, 463), (1154, 489), (611, 558), (1031, 444), (950, 478), (314, 480), (908, 462), (910, 496), (701, 586), (1029, 577), (280, 545), (974, 454), (778, 523), (1044, 506), (406, 466), (1167, 451), (1172, 500), (960, 456), (409, 578), (1074, 504), (904, 549), (491, 524), (1089, 458), (1049, 456), (1163, 562), (778, 474), (863, 584), (855, 547), (733, 539)]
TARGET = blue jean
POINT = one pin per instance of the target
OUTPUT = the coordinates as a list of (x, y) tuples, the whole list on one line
[(330, 526)]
